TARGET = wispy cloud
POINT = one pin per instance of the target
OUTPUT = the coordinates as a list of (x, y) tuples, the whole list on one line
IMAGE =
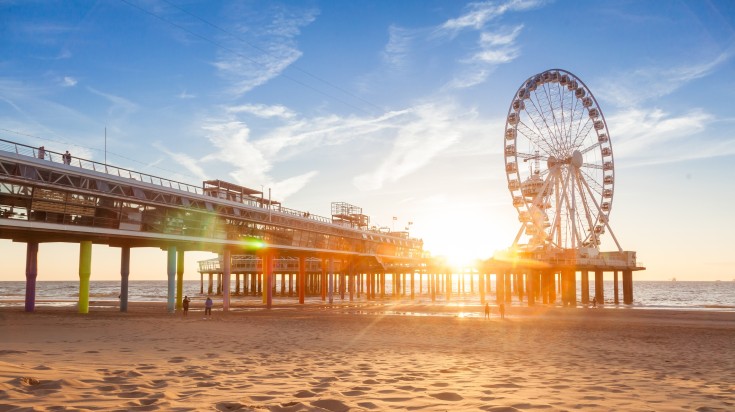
[(496, 44), (184, 95), (425, 132), (479, 14), (654, 136), (68, 81), (189, 163), (119, 107), (400, 41), (643, 84), (262, 111), (255, 57)]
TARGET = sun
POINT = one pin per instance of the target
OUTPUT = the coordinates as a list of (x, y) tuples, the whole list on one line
[(462, 244)]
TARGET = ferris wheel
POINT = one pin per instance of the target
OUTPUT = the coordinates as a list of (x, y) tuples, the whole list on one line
[(559, 163)]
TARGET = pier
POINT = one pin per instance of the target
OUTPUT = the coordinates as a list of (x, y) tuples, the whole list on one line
[(44, 198)]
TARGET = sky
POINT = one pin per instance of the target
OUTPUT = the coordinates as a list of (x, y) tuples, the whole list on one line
[(397, 107)]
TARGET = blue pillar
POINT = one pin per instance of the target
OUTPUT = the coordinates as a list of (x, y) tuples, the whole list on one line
[(171, 269), (124, 275), (31, 273)]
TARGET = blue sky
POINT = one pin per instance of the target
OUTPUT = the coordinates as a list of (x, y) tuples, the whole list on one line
[(395, 106)]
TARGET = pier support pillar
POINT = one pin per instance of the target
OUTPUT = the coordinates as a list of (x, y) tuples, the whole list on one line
[(530, 290), (481, 288), (330, 281), (31, 274), (508, 282), (180, 280), (211, 283), (628, 287), (171, 272), (615, 288), (201, 283), (268, 279), (323, 282), (302, 279), (124, 277), (500, 287), (599, 288), (85, 271), (585, 287), (226, 268)]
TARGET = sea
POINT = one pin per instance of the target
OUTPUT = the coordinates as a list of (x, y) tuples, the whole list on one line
[(688, 295)]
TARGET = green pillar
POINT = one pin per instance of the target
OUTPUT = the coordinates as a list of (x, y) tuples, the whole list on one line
[(85, 271), (180, 281), (171, 271)]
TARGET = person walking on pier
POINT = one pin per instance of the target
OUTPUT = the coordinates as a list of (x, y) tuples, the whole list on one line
[(487, 311), (67, 158), (186, 305), (41, 152), (208, 307)]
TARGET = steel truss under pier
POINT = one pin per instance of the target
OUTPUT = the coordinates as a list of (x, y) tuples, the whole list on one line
[(45, 197)]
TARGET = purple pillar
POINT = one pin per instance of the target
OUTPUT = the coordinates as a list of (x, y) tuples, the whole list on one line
[(31, 273)]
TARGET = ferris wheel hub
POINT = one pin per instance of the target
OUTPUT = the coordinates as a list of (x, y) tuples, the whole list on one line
[(576, 159)]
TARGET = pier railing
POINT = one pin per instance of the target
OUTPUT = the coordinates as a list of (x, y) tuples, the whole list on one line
[(56, 157)]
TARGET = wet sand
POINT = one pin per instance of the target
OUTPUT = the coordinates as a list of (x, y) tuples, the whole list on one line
[(363, 357)]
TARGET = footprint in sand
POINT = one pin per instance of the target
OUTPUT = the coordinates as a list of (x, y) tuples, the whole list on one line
[(177, 359), (305, 394), (447, 396), (332, 405), (11, 352), (229, 406)]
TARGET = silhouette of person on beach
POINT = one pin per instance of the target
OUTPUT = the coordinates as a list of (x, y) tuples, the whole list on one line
[(594, 302), (487, 311), (502, 310), (186, 305), (208, 307)]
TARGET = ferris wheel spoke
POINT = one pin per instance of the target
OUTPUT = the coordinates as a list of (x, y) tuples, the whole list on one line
[(588, 149), (583, 133), (541, 118), (551, 100), (587, 177), (606, 221), (534, 137), (586, 205), (592, 166)]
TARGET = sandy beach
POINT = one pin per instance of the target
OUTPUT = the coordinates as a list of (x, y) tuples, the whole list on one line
[(363, 357)]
